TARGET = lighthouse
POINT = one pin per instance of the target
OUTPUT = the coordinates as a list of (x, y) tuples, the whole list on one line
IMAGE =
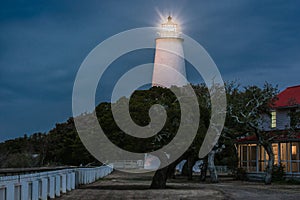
[(169, 65)]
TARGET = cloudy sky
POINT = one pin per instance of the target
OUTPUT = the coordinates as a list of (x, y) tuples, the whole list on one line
[(43, 43)]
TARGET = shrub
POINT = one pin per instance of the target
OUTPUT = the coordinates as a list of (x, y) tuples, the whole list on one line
[(241, 174), (278, 172)]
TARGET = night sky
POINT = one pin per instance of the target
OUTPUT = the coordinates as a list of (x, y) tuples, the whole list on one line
[(43, 43)]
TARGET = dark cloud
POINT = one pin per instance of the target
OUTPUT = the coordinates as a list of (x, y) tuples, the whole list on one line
[(42, 44)]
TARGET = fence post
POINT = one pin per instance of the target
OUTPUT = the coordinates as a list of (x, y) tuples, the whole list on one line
[(48, 184), (44, 191), (2, 192), (52, 187), (10, 191), (73, 178), (24, 190), (57, 185), (63, 183), (69, 181), (35, 190)]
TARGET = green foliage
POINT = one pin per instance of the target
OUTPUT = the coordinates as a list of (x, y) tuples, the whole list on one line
[(278, 172), (65, 146), (62, 145), (247, 111), (246, 107), (228, 155), (18, 160), (139, 105), (295, 118), (241, 174)]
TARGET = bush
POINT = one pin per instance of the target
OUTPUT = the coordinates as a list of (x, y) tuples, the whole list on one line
[(241, 174), (293, 182), (17, 160), (278, 172)]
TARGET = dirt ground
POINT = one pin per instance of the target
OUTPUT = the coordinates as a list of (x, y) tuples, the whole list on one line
[(120, 185)]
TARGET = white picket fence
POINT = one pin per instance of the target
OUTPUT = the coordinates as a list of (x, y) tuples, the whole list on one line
[(49, 184)]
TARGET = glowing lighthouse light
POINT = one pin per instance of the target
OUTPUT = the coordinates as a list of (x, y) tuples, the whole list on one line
[(169, 29), (169, 66)]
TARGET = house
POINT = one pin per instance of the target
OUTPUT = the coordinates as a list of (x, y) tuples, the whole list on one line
[(281, 125)]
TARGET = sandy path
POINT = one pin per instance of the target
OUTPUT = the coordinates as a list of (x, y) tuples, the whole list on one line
[(120, 185)]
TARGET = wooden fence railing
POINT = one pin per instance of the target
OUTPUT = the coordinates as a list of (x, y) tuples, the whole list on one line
[(49, 184)]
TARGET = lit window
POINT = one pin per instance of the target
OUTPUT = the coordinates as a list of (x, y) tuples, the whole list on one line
[(294, 150), (273, 119)]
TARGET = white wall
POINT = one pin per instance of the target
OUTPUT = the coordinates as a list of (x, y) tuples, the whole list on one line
[(169, 65), (282, 120)]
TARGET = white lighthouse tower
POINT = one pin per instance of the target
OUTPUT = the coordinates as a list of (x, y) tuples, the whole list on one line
[(169, 66)]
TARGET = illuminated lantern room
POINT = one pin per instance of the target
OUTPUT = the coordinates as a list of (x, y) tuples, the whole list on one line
[(169, 64), (169, 29)]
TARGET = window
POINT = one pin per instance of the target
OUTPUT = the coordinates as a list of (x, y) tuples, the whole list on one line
[(275, 152), (248, 159), (284, 157), (295, 157), (287, 154), (263, 159), (273, 119)]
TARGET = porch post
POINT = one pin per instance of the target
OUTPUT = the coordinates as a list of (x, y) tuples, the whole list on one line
[(265, 158), (298, 153), (279, 153), (257, 158), (248, 167), (291, 164), (239, 155)]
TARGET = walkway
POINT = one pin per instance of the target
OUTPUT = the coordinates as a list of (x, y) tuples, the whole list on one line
[(120, 185)]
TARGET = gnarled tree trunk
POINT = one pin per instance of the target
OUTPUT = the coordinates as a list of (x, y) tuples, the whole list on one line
[(203, 170), (211, 167), (187, 168), (190, 164), (171, 171), (269, 169), (159, 179)]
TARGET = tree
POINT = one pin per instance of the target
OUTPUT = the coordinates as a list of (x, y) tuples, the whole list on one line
[(246, 113), (191, 155), (211, 162), (294, 119), (64, 146)]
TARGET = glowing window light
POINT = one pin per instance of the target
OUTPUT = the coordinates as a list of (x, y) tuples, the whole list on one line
[(273, 119), (294, 150)]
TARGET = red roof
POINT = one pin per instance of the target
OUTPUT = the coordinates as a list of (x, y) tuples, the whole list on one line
[(278, 136), (288, 97)]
